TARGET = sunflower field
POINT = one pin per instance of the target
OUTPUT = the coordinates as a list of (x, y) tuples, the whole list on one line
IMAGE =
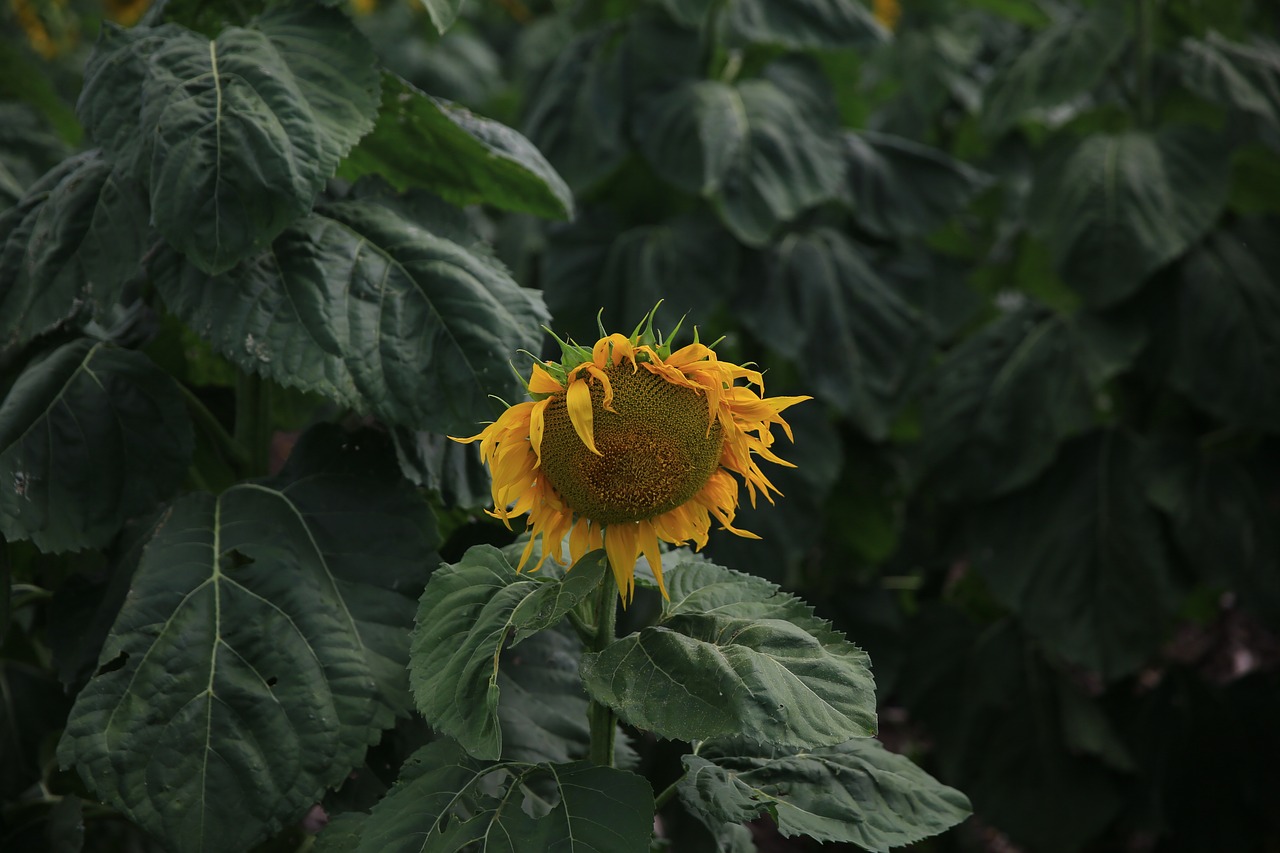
[(611, 426)]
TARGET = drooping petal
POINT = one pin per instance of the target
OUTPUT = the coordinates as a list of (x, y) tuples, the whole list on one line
[(648, 543), (537, 425), (578, 402), (542, 382), (623, 548)]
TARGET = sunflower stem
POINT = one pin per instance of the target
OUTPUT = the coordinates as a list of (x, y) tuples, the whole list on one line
[(601, 719)]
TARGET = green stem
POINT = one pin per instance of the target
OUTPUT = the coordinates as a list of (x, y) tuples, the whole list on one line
[(601, 719), (667, 793), (214, 428), (253, 421)]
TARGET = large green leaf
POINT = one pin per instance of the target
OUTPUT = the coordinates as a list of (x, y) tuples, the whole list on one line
[(446, 801), (261, 649), (443, 12), (390, 306), (1060, 63), (819, 303), (1225, 350), (429, 143), (69, 245), (1080, 557), (451, 470), (995, 412), (689, 263), (693, 134), (89, 436), (233, 138), (1115, 208), (464, 618), (899, 188), (856, 792), (802, 24), (738, 659), (1246, 76)]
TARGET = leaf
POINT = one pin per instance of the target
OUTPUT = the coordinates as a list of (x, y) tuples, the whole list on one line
[(452, 470), (89, 436), (997, 409), (856, 792), (1226, 311), (786, 161), (803, 24), (389, 306), (261, 649), (755, 663), (899, 188), (692, 135), (29, 147), (446, 801), (464, 618), (1115, 208), (1079, 557), (442, 12), (689, 263), (234, 138), (1066, 60), (818, 303), (69, 245), (429, 143), (1246, 76)]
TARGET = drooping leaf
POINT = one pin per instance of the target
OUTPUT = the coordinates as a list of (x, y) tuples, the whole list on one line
[(1246, 76), (995, 412), (1060, 63), (755, 663), (29, 147), (899, 188), (260, 651), (693, 134), (789, 158), (1079, 556), (390, 306), (68, 247), (429, 143), (89, 436), (464, 618), (1115, 208), (233, 138), (819, 303), (443, 12), (803, 24), (446, 801), (689, 263), (856, 792), (452, 470), (1223, 338)]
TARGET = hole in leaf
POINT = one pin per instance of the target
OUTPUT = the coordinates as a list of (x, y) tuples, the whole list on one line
[(112, 665), (234, 559), (272, 681)]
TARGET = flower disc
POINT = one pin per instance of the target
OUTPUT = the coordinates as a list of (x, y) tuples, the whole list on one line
[(656, 451)]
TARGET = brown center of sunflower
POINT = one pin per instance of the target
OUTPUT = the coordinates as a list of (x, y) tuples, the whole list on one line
[(655, 451)]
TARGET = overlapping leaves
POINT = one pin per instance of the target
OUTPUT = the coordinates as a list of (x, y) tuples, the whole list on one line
[(261, 649)]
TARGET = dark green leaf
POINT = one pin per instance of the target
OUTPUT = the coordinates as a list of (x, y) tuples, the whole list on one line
[(693, 134), (389, 306), (261, 649), (996, 410), (1061, 63), (1115, 208), (28, 148), (862, 347), (32, 708), (899, 188), (452, 470), (1246, 76), (69, 245), (855, 792), (689, 263), (234, 138), (1226, 353), (89, 436), (442, 12), (803, 24), (429, 143), (751, 661), (1080, 558), (447, 801), (464, 618)]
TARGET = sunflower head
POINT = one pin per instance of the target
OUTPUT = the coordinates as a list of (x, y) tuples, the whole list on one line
[(627, 443)]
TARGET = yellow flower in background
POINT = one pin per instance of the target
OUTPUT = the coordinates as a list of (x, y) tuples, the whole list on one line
[(628, 443), (887, 12)]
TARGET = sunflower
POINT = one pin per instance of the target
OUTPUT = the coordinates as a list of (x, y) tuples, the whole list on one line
[(628, 443)]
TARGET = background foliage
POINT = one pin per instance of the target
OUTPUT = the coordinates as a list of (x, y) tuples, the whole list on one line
[(1022, 252)]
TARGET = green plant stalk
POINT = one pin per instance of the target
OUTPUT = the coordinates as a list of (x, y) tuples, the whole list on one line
[(253, 421), (212, 427), (602, 722)]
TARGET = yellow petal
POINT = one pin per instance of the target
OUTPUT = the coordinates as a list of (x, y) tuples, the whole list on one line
[(542, 382), (578, 401), (648, 543), (620, 543), (537, 425), (607, 404)]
